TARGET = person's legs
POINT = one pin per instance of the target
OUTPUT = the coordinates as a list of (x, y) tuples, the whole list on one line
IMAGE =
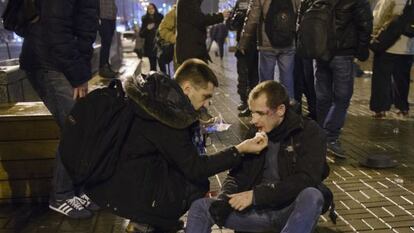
[(309, 86), (153, 63), (286, 64), (221, 48), (383, 66), (267, 62), (306, 211), (401, 75), (57, 94), (323, 90), (343, 87), (106, 32), (243, 78), (200, 221)]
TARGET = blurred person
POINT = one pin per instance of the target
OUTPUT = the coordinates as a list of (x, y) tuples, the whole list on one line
[(392, 68), (107, 19), (218, 33), (166, 31), (247, 63), (271, 54), (150, 22), (192, 26)]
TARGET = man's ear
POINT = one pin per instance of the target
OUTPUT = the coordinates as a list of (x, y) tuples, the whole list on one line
[(281, 110), (186, 86)]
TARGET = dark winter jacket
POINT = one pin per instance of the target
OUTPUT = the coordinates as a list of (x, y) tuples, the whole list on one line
[(308, 170), (192, 30), (149, 34), (160, 172), (62, 39), (353, 26)]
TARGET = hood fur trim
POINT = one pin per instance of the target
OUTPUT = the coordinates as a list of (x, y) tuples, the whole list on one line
[(163, 99)]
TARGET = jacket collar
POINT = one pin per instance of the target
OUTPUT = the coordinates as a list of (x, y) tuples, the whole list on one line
[(161, 98), (290, 125)]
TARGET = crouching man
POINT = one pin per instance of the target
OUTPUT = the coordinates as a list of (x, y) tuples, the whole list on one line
[(274, 192)]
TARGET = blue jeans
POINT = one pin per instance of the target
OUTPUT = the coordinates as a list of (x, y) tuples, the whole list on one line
[(334, 86), (57, 94), (285, 60), (300, 217)]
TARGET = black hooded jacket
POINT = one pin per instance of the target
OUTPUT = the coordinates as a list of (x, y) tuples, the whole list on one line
[(62, 39), (160, 171), (301, 164)]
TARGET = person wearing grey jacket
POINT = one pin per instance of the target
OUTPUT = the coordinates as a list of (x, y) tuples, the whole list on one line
[(391, 69), (269, 56)]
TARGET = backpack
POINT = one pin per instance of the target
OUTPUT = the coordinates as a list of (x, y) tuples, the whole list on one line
[(18, 15), (316, 31), (280, 23), (94, 133)]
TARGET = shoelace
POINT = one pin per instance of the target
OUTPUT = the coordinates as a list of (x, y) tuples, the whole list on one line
[(75, 203)]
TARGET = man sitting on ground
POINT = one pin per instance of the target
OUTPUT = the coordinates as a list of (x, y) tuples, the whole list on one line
[(275, 191)]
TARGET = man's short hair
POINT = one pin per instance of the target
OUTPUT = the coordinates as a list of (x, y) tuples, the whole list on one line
[(275, 92), (197, 72)]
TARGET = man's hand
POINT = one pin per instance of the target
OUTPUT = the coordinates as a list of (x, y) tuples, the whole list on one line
[(219, 211), (241, 201), (254, 145), (80, 91)]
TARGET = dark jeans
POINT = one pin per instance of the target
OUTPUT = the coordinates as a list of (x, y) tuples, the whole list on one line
[(57, 94), (248, 74), (106, 32), (299, 217), (390, 82), (285, 60), (334, 86), (305, 84)]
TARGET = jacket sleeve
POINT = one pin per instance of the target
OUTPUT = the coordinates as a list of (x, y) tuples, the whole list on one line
[(167, 27), (251, 23), (191, 11), (362, 15), (177, 148), (310, 165), (70, 28)]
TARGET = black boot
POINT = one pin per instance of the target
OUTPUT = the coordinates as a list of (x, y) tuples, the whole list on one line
[(106, 72)]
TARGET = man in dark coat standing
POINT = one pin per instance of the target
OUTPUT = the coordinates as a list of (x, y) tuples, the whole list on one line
[(160, 171), (192, 30), (56, 56), (274, 192)]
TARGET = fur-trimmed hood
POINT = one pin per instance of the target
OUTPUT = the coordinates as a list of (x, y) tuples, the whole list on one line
[(161, 98)]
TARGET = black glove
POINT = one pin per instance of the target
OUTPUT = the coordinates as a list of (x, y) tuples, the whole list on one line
[(362, 54), (219, 211)]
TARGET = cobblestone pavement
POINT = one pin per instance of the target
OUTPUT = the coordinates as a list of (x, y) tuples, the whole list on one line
[(366, 199)]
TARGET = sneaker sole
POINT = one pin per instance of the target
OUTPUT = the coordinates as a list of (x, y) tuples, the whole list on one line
[(60, 211)]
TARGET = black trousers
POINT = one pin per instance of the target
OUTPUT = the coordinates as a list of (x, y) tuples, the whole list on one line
[(304, 82), (390, 82), (248, 74), (106, 32)]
